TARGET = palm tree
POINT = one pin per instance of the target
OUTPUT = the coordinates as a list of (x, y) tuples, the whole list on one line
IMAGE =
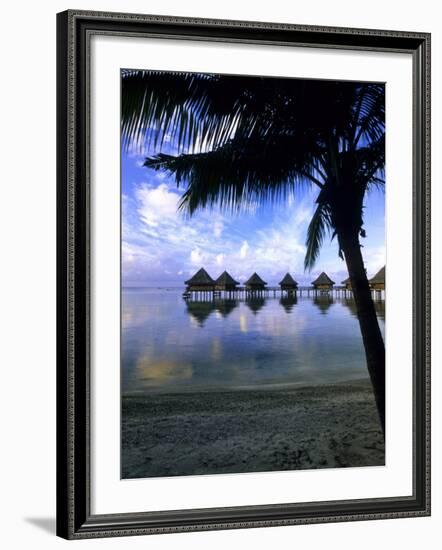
[(248, 140)]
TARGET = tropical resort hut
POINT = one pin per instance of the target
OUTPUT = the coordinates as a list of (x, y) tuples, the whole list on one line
[(226, 283), (323, 283), (200, 284), (255, 284), (347, 286), (377, 283), (288, 284), (347, 283)]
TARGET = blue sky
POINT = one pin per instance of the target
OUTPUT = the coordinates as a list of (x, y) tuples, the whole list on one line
[(161, 247)]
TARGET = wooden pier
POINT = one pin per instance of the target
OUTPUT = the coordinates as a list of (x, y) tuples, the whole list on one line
[(202, 287), (241, 292)]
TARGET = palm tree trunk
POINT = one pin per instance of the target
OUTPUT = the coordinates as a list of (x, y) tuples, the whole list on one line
[(368, 322)]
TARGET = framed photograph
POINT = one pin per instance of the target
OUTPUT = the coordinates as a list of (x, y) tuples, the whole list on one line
[(243, 274)]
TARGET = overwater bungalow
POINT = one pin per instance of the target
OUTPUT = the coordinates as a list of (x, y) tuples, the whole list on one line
[(200, 282), (226, 282), (347, 283), (378, 281), (255, 284), (288, 283), (323, 283)]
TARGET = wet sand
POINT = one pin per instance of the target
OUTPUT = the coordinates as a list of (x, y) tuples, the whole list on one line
[(327, 426)]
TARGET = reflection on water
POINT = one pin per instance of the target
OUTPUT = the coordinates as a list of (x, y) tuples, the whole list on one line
[(255, 303), (225, 306), (379, 306), (323, 302), (288, 302), (173, 345), (200, 311)]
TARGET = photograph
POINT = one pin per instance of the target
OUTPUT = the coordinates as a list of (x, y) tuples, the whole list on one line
[(253, 265), (217, 290), (243, 273)]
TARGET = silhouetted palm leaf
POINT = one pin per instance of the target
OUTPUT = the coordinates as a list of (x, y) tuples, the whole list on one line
[(242, 172), (247, 140), (317, 229)]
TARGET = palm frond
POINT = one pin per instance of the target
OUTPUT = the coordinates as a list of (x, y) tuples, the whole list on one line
[(369, 114), (246, 140), (241, 173), (316, 232), (201, 112), (369, 163), (197, 111)]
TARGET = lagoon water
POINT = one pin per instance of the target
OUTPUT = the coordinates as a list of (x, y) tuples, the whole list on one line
[(170, 345)]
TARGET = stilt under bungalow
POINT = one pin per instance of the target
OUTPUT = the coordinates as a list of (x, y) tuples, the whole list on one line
[(255, 285), (226, 284), (347, 286), (323, 284), (201, 285), (288, 284), (377, 282)]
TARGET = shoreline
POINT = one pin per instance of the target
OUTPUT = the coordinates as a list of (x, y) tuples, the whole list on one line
[(250, 430), (276, 387)]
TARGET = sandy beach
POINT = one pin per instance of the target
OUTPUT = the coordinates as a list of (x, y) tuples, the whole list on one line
[(327, 426)]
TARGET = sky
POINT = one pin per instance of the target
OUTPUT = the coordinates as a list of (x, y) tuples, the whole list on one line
[(162, 247)]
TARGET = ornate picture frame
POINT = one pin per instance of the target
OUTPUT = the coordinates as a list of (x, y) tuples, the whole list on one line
[(75, 519)]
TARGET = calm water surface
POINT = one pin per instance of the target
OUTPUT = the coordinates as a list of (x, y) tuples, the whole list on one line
[(173, 345)]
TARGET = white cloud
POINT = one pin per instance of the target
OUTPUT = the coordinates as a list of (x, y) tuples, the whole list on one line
[(374, 259), (196, 257), (156, 204), (218, 228), (269, 241), (213, 239), (244, 249)]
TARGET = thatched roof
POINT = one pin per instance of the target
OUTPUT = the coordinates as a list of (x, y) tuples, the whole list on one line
[(288, 280), (379, 278), (201, 277), (346, 281), (226, 279), (323, 279), (255, 279)]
